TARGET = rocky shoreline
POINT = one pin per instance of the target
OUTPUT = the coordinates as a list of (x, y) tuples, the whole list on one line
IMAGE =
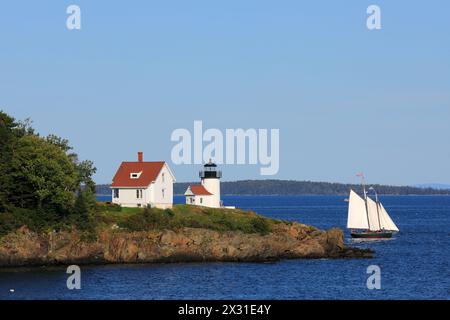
[(286, 241)]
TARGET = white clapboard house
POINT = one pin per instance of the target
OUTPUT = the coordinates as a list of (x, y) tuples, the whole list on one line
[(143, 183)]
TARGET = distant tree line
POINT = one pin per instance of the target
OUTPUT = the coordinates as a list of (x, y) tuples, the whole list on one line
[(291, 187)]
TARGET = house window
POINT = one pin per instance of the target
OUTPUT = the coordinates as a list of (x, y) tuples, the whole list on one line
[(162, 177), (139, 194), (163, 192), (201, 200), (135, 175), (116, 193)]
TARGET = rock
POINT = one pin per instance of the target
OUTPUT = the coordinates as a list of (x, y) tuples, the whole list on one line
[(287, 241)]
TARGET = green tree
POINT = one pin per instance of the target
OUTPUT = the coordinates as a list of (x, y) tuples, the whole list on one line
[(41, 176), (42, 182), (86, 184), (7, 140)]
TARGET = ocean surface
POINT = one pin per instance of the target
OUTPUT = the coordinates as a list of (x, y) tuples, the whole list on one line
[(414, 265)]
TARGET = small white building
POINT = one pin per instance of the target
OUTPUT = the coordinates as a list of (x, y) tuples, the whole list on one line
[(207, 193), (143, 183)]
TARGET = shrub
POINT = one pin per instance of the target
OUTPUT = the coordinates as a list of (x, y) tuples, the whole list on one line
[(109, 206), (136, 219), (147, 219), (260, 225), (169, 212), (35, 220)]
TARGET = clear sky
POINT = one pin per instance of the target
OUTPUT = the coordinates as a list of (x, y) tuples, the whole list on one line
[(345, 99)]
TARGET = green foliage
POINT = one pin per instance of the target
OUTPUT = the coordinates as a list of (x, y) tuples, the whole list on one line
[(42, 176), (169, 212), (137, 219), (36, 220), (261, 225), (42, 184), (7, 140), (146, 220), (108, 206)]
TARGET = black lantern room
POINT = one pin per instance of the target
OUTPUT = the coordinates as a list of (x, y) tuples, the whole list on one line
[(210, 171)]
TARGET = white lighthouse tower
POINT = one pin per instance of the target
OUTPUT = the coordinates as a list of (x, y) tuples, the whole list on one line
[(206, 194), (210, 179)]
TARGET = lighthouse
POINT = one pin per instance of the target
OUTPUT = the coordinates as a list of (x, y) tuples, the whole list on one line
[(210, 179), (207, 193)]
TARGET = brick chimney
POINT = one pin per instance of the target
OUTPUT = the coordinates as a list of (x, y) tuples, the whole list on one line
[(140, 156)]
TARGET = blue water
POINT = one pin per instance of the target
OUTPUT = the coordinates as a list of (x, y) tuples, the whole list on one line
[(414, 265)]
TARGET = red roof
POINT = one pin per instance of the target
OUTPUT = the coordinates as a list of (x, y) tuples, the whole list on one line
[(199, 190), (149, 171)]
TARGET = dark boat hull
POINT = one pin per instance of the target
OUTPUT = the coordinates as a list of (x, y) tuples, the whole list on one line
[(371, 235)]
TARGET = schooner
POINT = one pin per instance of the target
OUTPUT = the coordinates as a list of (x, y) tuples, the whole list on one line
[(367, 218)]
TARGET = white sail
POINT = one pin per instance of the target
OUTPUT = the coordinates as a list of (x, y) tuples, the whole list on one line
[(374, 213), (357, 215), (386, 221)]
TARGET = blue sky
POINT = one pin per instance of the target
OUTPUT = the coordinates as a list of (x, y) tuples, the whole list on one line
[(345, 99)]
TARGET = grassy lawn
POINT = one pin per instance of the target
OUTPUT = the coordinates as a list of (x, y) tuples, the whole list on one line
[(141, 219)]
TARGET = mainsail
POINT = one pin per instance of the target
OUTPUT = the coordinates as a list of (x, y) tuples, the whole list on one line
[(357, 217), (373, 214), (368, 215)]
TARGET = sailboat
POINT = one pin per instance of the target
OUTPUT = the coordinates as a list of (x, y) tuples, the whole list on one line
[(367, 218)]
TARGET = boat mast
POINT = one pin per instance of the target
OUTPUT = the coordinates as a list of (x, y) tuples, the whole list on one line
[(363, 183), (378, 206)]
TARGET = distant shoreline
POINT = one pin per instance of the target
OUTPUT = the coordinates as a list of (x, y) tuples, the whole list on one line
[(297, 188), (307, 195)]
